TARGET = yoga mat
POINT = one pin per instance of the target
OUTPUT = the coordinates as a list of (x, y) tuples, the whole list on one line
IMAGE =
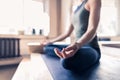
[(112, 45), (59, 73)]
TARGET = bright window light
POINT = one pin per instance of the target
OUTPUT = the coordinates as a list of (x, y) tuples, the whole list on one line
[(23, 15)]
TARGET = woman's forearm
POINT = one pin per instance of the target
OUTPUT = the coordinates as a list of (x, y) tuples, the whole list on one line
[(59, 38), (64, 35), (87, 37)]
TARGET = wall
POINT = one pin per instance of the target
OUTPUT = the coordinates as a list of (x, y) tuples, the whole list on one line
[(65, 14), (59, 16), (118, 16), (55, 17)]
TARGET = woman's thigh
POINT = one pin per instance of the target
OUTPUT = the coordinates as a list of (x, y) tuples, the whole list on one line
[(83, 59), (49, 49)]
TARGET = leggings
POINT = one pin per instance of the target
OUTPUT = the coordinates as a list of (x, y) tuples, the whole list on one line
[(83, 59)]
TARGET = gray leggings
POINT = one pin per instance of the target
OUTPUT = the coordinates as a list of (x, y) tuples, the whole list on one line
[(84, 58)]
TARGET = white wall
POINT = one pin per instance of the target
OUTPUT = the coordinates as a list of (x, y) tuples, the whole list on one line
[(65, 14), (118, 17)]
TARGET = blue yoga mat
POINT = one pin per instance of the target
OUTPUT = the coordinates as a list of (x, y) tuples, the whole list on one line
[(59, 73)]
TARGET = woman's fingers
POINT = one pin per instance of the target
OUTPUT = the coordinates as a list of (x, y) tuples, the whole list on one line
[(58, 53), (67, 54), (61, 54), (68, 48), (71, 53), (64, 53)]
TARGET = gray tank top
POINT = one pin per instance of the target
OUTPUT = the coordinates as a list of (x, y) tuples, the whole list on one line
[(80, 23)]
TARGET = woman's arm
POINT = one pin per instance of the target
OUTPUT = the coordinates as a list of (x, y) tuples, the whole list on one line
[(61, 37), (94, 7)]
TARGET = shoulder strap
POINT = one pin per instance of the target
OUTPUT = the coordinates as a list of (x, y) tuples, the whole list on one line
[(85, 0)]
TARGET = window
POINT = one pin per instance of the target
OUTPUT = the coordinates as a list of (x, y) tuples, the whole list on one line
[(23, 15), (108, 19), (11, 16)]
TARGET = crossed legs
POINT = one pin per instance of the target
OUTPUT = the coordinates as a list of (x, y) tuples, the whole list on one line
[(84, 58)]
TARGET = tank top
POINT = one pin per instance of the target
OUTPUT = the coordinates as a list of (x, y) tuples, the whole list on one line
[(80, 23)]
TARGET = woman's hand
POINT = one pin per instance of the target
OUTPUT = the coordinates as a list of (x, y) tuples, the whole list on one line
[(46, 42), (68, 51)]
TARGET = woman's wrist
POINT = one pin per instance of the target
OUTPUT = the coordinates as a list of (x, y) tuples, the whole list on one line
[(77, 45), (51, 41)]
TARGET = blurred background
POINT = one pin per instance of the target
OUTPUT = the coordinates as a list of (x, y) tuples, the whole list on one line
[(52, 16)]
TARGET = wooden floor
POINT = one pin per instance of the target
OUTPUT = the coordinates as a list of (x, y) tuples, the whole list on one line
[(8, 66), (34, 68), (7, 72)]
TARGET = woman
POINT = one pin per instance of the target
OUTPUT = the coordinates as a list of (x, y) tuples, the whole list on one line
[(84, 52)]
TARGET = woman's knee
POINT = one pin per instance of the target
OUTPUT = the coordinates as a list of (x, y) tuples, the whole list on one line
[(91, 54), (65, 63), (46, 49)]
